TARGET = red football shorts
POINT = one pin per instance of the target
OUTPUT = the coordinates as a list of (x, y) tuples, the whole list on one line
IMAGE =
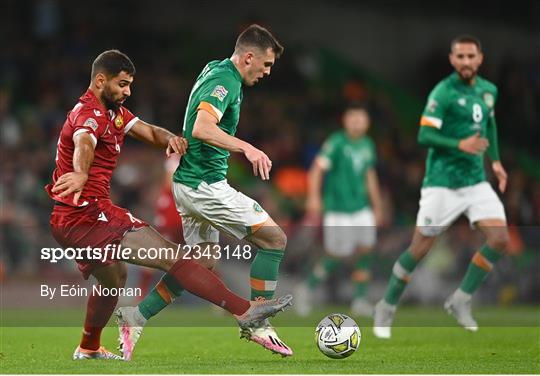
[(95, 225)]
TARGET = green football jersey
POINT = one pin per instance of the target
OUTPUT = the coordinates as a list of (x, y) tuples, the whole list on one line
[(347, 160), (218, 90), (458, 111)]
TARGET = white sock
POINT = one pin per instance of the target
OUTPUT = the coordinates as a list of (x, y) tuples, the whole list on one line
[(462, 296), (139, 318)]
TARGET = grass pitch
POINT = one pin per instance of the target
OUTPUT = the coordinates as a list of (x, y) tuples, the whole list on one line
[(443, 348)]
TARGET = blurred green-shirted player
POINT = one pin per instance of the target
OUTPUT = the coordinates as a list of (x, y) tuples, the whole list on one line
[(344, 172), (458, 126)]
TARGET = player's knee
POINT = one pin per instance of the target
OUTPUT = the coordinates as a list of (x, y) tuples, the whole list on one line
[(499, 241)]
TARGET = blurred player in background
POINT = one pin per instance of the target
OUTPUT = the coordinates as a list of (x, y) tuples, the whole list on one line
[(458, 126), (84, 216), (207, 204), (343, 184)]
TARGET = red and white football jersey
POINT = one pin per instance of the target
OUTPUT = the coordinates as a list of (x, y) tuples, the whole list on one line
[(107, 129)]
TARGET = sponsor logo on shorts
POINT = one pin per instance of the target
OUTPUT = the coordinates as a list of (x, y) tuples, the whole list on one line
[(428, 221), (219, 92)]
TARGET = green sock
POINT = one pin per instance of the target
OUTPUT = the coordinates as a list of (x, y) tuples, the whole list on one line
[(481, 264), (321, 271), (362, 274), (264, 273), (163, 294), (401, 271)]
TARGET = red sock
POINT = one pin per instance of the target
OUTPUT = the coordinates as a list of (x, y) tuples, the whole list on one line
[(98, 312), (205, 284)]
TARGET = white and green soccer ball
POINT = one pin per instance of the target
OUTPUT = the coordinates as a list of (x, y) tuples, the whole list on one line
[(337, 336)]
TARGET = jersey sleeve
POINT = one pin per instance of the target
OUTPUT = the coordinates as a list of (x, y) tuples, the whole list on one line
[(328, 151), (89, 122), (217, 94), (435, 109), (129, 119)]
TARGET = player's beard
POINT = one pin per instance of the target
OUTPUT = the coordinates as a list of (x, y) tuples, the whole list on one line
[(468, 78), (110, 102)]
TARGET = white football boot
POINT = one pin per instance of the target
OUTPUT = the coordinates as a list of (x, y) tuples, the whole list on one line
[(303, 300), (362, 307), (459, 306), (266, 336), (382, 319), (130, 325), (101, 354)]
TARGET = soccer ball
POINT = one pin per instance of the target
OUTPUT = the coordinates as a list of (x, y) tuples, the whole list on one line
[(337, 336)]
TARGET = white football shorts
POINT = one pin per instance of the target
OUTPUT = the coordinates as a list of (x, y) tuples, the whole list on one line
[(343, 233), (216, 207), (440, 207)]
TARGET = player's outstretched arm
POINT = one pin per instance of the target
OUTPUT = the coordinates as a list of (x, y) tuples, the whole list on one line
[(158, 137), (207, 130), (374, 192), (83, 156), (493, 152), (314, 188)]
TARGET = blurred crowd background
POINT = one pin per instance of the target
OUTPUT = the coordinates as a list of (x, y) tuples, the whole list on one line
[(383, 53)]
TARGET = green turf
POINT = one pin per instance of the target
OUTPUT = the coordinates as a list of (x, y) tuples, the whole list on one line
[(445, 349)]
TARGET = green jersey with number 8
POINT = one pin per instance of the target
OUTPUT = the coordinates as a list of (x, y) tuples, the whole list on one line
[(458, 110)]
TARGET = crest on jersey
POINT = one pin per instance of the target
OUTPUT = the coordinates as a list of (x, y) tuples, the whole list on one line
[(91, 123), (489, 100), (257, 208), (219, 92), (432, 105), (119, 121), (462, 101)]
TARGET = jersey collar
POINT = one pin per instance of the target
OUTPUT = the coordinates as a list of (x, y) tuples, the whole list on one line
[(459, 83), (89, 96), (234, 69)]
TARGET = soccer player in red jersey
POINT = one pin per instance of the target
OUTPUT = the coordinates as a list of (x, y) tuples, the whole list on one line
[(84, 216)]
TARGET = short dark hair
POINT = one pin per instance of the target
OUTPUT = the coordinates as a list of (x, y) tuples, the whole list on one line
[(111, 63), (465, 38), (259, 37)]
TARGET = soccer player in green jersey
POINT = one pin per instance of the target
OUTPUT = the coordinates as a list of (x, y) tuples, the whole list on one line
[(344, 172), (207, 204), (458, 126)]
